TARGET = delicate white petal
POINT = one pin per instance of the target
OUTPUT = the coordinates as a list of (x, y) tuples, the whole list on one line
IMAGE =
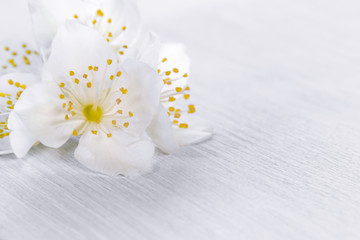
[(47, 16), (21, 138), (75, 48), (162, 133), (11, 87), (143, 96), (176, 57), (16, 56), (39, 108), (193, 135), (120, 154), (147, 50), (125, 21)]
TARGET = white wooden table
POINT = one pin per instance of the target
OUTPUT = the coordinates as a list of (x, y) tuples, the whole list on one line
[(280, 81)]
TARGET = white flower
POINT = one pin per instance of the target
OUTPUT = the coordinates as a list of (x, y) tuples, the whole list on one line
[(118, 22), (86, 92), (173, 126), (19, 68)]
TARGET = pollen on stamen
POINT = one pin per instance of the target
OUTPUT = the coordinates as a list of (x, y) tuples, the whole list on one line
[(177, 115), (191, 109), (118, 74), (24, 45), (71, 73), (109, 61), (120, 112), (11, 82), (121, 52), (123, 90), (76, 81), (26, 60), (28, 52), (76, 16), (110, 34), (85, 76), (109, 135), (112, 77), (185, 75), (175, 70), (7, 48), (113, 122), (109, 20), (96, 68), (124, 28), (14, 53), (171, 99), (178, 89), (131, 114), (126, 125), (94, 132), (88, 85), (100, 13), (61, 96), (75, 133), (90, 68), (186, 96), (66, 117), (125, 46), (183, 125), (171, 109), (118, 101), (167, 73), (94, 22), (62, 85), (164, 60)]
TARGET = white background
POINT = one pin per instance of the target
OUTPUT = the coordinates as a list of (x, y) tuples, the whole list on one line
[(279, 80)]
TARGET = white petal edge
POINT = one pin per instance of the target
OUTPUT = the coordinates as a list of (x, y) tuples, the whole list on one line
[(162, 133), (21, 139), (119, 155)]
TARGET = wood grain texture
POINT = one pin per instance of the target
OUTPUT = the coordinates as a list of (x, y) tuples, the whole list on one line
[(280, 82)]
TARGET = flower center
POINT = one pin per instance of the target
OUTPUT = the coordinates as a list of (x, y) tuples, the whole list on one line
[(93, 114)]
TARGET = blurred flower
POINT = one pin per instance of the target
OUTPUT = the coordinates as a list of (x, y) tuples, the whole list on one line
[(19, 68), (117, 21), (86, 92)]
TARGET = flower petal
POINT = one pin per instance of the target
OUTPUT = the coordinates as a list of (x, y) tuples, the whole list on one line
[(162, 133), (120, 154), (175, 56), (47, 16), (21, 139), (125, 21), (39, 108), (75, 48), (142, 99)]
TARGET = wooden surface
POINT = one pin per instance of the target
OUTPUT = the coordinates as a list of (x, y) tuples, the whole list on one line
[(280, 81)]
